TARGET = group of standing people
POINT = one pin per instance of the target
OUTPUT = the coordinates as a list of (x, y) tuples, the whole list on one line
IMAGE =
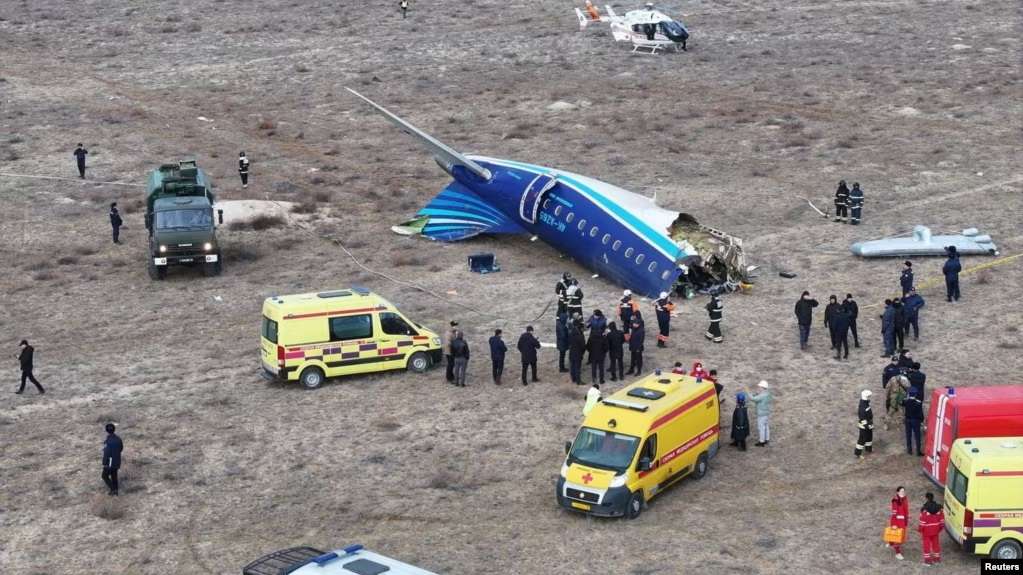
[(839, 318), (848, 203), (930, 524)]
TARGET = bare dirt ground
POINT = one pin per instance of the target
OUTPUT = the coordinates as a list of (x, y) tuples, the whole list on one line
[(917, 100)]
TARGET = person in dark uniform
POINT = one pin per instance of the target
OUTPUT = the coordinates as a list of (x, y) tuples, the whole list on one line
[(716, 311), (841, 202), (917, 379), (497, 351), (80, 153), (243, 169), (840, 332), (636, 336), (615, 344), (913, 408), (596, 348), (856, 204), (663, 308), (888, 328), (527, 346), (625, 309), (460, 352), (900, 323), (906, 279), (561, 333), (115, 222), (112, 448), (26, 358), (865, 423), (804, 317), (829, 313), (740, 422), (951, 271), (561, 289), (891, 370), (852, 310), (576, 350), (912, 304), (449, 337), (403, 5)]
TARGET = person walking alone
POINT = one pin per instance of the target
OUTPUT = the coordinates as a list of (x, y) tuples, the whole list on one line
[(449, 338), (527, 346), (740, 422), (663, 308), (112, 448), (26, 358), (841, 202), (865, 423), (79, 154), (852, 309), (460, 352), (497, 351), (899, 518), (636, 336), (716, 311), (804, 316), (951, 271), (243, 169), (932, 523), (115, 222), (615, 344), (763, 403)]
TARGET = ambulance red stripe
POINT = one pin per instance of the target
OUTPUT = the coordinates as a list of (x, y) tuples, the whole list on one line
[(332, 313), (681, 409), (1002, 473)]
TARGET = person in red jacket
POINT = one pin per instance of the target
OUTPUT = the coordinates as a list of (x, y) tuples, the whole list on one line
[(899, 518), (698, 371), (932, 522)]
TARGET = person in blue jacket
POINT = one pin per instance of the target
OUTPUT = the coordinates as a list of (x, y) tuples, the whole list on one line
[(913, 407), (906, 279), (951, 270), (888, 328), (112, 448), (912, 304), (497, 351)]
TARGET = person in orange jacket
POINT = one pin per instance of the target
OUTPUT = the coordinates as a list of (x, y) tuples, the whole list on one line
[(592, 11), (932, 522), (899, 518)]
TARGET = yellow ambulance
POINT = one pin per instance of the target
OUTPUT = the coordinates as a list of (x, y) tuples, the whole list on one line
[(637, 442), (312, 336), (984, 496)]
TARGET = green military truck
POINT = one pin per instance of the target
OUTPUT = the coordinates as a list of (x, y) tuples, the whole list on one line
[(179, 217)]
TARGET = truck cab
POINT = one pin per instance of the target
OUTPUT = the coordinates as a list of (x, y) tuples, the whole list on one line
[(179, 218)]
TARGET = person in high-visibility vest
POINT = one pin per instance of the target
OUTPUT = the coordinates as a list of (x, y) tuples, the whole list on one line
[(663, 307), (716, 311), (865, 423), (855, 204)]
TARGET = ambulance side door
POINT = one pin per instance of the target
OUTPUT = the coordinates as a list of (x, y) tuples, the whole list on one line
[(353, 334), (394, 339), (649, 468)]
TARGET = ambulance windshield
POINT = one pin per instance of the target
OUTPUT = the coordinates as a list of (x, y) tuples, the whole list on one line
[(603, 449)]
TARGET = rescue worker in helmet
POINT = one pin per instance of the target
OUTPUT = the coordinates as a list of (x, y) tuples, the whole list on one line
[(663, 308)]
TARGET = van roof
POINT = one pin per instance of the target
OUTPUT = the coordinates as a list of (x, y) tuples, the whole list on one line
[(992, 395), (645, 404), (352, 560), (988, 448), (326, 302)]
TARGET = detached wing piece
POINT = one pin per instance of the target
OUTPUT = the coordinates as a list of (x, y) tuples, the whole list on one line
[(446, 156), (456, 214)]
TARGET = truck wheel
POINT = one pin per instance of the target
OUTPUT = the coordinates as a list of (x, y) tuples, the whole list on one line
[(418, 362), (312, 377), (1007, 549), (700, 468), (157, 272), (635, 506)]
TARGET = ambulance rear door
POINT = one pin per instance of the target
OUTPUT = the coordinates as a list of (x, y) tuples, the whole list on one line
[(940, 435)]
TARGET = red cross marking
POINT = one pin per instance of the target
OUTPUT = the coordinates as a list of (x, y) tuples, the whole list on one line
[(587, 478)]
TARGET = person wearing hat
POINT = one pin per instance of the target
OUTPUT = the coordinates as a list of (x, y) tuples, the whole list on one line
[(115, 222), (740, 422), (561, 289), (911, 305), (663, 308), (112, 448), (79, 154), (243, 169), (449, 336), (615, 351), (596, 350), (762, 399), (26, 358), (891, 370), (460, 352), (497, 351), (951, 271), (841, 202), (852, 309), (804, 317), (913, 409), (865, 423), (932, 523), (527, 346), (561, 334), (626, 307), (574, 297), (637, 335), (888, 328), (576, 351), (592, 398), (855, 204), (906, 279), (716, 311), (830, 311)]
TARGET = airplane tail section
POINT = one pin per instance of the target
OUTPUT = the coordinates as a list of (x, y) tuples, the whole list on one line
[(456, 213)]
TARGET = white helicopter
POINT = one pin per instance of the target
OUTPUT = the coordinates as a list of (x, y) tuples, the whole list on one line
[(646, 28)]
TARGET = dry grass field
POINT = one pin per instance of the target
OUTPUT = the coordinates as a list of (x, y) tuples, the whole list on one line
[(775, 101)]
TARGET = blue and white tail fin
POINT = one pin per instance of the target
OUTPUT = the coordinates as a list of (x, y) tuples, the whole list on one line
[(456, 213)]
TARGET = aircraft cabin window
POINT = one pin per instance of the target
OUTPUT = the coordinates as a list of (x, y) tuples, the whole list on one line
[(546, 203), (582, 224), (617, 245), (629, 252), (653, 267), (665, 275), (593, 232), (604, 240), (570, 217), (557, 210), (640, 258)]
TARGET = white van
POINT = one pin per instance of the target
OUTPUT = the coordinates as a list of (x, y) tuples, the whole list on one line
[(352, 560)]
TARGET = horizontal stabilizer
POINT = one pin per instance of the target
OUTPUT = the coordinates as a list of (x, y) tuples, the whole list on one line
[(446, 156), (456, 214)]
